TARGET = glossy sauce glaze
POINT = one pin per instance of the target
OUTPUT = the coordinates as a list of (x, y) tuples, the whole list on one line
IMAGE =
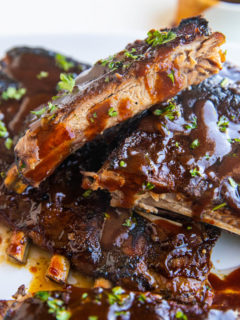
[(189, 145)]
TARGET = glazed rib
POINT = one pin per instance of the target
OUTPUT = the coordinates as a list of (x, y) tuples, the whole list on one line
[(118, 88), (184, 156), (100, 304)]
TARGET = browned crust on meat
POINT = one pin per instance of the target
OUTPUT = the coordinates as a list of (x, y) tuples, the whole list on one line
[(193, 56)]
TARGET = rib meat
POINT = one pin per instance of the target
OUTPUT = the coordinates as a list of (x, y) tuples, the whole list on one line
[(118, 88), (106, 304), (184, 155)]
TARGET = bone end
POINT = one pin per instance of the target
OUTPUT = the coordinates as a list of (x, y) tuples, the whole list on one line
[(58, 269)]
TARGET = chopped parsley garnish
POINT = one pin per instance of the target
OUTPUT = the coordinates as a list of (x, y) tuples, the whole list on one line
[(67, 82), (128, 223), (39, 112), (233, 140), (3, 130), (8, 143), (148, 186), (169, 112), (193, 124), (172, 76), (110, 63), (42, 295), (52, 107), (112, 112), (87, 193), (84, 295), (194, 144), (223, 124), (62, 62), (42, 75), (116, 296), (180, 315), (220, 206), (224, 83), (195, 172), (177, 144), (156, 37), (207, 156), (93, 318), (3, 174), (189, 227), (13, 93), (120, 313), (232, 182), (106, 215), (107, 79), (122, 164), (55, 306), (142, 298), (130, 54)]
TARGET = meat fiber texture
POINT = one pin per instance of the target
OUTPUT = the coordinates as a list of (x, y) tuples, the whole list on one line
[(117, 88)]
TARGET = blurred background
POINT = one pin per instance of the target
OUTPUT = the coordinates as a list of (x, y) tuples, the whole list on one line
[(46, 22)]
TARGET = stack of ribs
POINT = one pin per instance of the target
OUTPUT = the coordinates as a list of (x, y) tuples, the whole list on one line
[(122, 176)]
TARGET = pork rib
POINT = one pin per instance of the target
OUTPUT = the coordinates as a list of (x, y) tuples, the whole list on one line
[(117, 88), (184, 156)]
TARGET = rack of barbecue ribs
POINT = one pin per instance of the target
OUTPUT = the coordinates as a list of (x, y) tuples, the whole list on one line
[(100, 163), (116, 88)]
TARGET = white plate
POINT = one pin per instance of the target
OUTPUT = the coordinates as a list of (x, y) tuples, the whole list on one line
[(89, 48)]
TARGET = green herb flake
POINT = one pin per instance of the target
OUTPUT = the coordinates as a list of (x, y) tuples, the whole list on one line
[(52, 107), (42, 75), (219, 206), (8, 143), (84, 296), (177, 144), (122, 164), (107, 79), (63, 315), (118, 290), (224, 83), (189, 227), (3, 130), (156, 37), (128, 223), (207, 156), (62, 62), (169, 112), (13, 93), (233, 183), (106, 215), (42, 295), (148, 186), (194, 144), (131, 55), (93, 318), (195, 172), (142, 298), (3, 174), (223, 124), (67, 82), (171, 76), (39, 112), (193, 124), (112, 112), (121, 313), (87, 193), (180, 315), (110, 63)]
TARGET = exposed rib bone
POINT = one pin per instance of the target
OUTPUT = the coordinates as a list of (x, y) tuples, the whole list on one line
[(58, 269), (19, 247)]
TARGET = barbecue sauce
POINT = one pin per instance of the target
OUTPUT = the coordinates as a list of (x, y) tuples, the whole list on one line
[(188, 145)]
